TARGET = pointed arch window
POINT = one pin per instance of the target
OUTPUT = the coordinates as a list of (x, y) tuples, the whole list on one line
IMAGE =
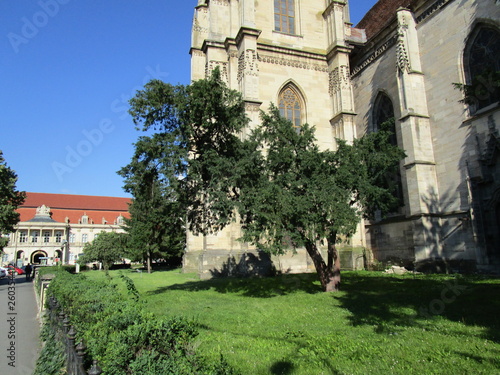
[(284, 16), (290, 106), (383, 116), (384, 113), (482, 68)]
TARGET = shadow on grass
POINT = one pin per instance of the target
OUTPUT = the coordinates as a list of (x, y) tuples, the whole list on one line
[(388, 302), (257, 287), (282, 367)]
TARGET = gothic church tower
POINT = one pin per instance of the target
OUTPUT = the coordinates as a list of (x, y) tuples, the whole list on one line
[(292, 53)]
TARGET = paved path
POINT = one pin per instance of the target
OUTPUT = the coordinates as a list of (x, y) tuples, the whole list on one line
[(19, 327)]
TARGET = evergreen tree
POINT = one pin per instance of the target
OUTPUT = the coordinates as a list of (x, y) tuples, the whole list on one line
[(10, 200), (300, 196), (181, 177)]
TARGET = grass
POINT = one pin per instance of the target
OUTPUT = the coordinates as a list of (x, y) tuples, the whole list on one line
[(377, 324)]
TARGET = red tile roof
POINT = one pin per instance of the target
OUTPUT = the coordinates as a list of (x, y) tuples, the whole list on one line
[(381, 14), (64, 206)]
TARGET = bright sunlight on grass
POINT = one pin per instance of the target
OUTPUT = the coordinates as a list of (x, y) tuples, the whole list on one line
[(377, 324)]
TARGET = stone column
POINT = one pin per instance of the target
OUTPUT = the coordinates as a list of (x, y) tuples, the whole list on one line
[(421, 180)]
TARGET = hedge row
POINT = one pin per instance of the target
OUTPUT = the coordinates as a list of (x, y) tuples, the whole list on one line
[(123, 336)]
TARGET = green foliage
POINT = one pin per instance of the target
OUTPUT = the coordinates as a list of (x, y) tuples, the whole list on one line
[(107, 248), (285, 324), (299, 195), (10, 200), (130, 286), (122, 335), (484, 89), (182, 174), (51, 360)]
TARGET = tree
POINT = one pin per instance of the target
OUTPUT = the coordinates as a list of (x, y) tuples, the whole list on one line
[(10, 200), (107, 248), (156, 227), (183, 172), (300, 196)]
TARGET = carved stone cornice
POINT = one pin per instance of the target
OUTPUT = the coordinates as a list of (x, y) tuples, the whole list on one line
[(252, 105), (438, 4), (211, 44), (220, 2), (375, 54), (334, 4), (246, 31), (196, 52), (335, 49), (295, 63)]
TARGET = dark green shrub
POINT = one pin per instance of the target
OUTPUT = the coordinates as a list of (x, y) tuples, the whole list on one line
[(122, 336)]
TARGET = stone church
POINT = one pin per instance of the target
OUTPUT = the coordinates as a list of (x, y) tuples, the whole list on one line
[(407, 60)]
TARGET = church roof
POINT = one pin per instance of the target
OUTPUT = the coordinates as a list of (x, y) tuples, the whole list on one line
[(381, 14), (62, 206)]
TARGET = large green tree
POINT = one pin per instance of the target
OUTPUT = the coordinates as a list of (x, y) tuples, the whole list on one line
[(156, 227), (107, 248), (183, 172), (10, 200), (299, 196)]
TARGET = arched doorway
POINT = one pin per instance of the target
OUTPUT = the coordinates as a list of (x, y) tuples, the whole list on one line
[(37, 255)]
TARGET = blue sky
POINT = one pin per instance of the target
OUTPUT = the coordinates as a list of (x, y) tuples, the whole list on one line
[(67, 71)]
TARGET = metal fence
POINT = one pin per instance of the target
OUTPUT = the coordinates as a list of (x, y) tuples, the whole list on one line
[(66, 333)]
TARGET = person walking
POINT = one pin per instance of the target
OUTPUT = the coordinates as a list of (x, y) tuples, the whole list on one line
[(27, 271)]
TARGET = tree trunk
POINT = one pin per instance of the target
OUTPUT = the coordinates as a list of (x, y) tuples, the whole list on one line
[(329, 281), (148, 260), (334, 260)]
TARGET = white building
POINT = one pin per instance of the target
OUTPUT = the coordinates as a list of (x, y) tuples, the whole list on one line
[(55, 227)]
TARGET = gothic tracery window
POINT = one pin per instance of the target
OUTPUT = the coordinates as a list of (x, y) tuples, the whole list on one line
[(290, 106), (482, 67), (284, 16)]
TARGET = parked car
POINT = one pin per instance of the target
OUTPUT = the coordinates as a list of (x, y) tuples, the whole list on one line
[(3, 272), (16, 270)]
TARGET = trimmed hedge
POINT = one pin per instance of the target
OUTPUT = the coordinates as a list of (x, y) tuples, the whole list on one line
[(122, 336)]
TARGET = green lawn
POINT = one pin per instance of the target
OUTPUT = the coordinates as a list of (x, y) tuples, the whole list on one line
[(377, 324)]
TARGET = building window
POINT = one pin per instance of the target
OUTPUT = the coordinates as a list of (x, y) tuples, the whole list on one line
[(482, 68), (34, 236), (85, 238), (72, 238), (119, 220), (58, 236), (46, 237), (23, 236), (384, 114), (384, 118), (290, 106), (85, 219), (284, 16)]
